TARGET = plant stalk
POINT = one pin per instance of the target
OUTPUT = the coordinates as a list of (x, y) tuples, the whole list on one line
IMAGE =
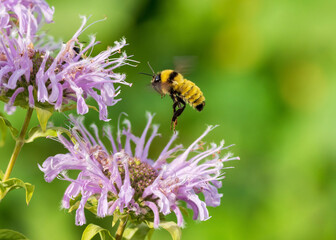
[(18, 145), (121, 228)]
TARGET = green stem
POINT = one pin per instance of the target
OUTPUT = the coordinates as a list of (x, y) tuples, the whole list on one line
[(19, 143), (121, 228)]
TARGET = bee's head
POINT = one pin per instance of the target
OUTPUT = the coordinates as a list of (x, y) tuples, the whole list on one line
[(156, 79), (156, 83)]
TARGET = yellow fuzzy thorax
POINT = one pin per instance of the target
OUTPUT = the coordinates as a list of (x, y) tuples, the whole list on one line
[(165, 76)]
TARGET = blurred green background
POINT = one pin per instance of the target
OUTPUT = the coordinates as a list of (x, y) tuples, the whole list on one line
[(267, 70)]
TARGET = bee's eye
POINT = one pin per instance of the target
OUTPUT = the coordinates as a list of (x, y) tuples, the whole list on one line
[(157, 78)]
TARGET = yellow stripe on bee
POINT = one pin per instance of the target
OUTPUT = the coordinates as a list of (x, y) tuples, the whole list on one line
[(187, 88), (190, 93), (199, 101), (165, 75), (194, 97)]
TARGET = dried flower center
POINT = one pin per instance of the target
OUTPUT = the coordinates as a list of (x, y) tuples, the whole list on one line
[(141, 175)]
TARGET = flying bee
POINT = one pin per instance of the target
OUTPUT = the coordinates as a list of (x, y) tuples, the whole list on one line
[(180, 90)]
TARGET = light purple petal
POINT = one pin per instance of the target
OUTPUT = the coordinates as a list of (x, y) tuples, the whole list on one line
[(59, 100), (14, 78), (140, 143), (4, 70), (182, 158), (211, 195), (102, 204), (180, 221), (80, 216), (113, 207), (72, 191), (31, 96), (42, 92), (126, 192), (149, 141), (9, 107), (155, 210)]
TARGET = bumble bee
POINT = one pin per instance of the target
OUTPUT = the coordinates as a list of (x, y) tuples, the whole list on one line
[(181, 91)]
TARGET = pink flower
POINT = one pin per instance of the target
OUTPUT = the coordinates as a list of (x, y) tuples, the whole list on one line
[(31, 75), (28, 14), (126, 179)]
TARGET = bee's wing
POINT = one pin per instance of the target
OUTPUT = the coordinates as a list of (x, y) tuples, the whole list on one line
[(149, 87), (185, 64)]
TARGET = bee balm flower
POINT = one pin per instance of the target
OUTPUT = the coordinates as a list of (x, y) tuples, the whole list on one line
[(27, 14), (31, 75), (125, 179)]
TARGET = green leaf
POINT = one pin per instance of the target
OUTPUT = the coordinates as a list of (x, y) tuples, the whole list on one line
[(4, 122), (43, 116), (171, 227), (74, 203), (92, 230), (2, 189), (116, 217), (90, 205), (7, 234), (15, 183), (138, 232), (150, 233), (37, 132)]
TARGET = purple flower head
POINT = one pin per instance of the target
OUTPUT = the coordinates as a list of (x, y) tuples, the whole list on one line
[(26, 15), (31, 75), (126, 180)]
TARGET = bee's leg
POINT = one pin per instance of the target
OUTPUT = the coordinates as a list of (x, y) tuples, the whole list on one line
[(181, 106), (174, 119), (176, 102)]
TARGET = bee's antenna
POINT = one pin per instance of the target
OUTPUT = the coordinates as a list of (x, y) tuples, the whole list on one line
[(146, 74), (151, 68)]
